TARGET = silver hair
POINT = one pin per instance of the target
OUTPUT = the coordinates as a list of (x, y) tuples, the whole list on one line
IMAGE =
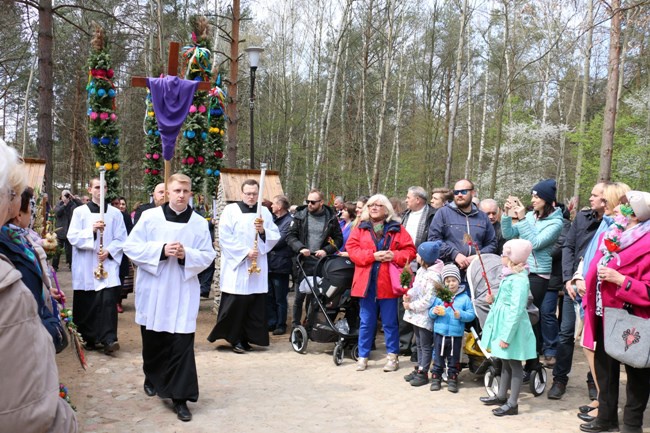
[(419, 191), (489, 201), (379, 198)]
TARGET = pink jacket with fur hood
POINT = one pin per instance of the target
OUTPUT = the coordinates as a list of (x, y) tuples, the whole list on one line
[(635, 290)]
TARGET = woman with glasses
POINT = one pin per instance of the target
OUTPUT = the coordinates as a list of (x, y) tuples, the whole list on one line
[(619, 277), (541, 226), (30, 399), (378, 240)]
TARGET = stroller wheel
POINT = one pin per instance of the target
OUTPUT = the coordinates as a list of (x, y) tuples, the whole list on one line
[(491, 381), (354, 352), (538, 381), (299, 339), (337, 355)]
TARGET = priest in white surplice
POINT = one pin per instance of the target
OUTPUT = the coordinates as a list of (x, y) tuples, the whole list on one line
[(170, 245), (94, 300), (242, 312)]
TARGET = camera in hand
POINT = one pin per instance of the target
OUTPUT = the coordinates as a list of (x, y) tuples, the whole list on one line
[(514, 203), (67, 195)]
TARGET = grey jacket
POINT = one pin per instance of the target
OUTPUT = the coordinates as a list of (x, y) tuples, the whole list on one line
[(29, 402)]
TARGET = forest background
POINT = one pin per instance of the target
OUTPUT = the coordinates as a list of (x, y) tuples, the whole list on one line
[(358, 96)]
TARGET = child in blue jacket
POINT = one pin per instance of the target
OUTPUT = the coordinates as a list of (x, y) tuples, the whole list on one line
[(449, 320)]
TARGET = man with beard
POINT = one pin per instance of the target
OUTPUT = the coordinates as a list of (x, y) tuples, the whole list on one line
[(242, 312), (454, 220)]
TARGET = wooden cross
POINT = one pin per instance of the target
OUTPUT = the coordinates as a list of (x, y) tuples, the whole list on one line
[(172, 70)]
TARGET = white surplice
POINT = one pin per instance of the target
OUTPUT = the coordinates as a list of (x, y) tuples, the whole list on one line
[(166, 292), (85, 246), (236, 238)]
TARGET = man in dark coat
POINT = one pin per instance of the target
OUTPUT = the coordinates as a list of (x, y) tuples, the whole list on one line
[(280, 267), (63, 212), (313, 225)]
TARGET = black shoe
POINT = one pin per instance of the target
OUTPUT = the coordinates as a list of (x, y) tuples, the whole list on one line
[(593, 392), (149, 389), (436, 383), (90, 346), (586, 408), (414, 357), (586, 417), (247, 347), (280, 330), (492, 401), (526, 378), (506, 409), (598, 425), (452, 385), (421, 378), (111, 347), (557, 391), (409, 377), (238, 348), (182, 411)]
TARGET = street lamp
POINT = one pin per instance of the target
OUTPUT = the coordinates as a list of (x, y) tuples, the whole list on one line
[(253, 60)]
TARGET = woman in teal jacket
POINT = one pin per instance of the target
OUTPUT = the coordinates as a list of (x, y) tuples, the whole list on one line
[(541, 226), (507, 332)]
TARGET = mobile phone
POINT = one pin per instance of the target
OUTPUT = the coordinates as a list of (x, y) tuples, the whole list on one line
[(514, 203)]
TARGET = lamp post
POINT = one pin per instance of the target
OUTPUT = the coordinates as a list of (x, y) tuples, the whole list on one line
[(253, 60)]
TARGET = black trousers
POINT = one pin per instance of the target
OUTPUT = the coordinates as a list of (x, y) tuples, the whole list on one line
[(67, 247), (95, 314), (608, 372)]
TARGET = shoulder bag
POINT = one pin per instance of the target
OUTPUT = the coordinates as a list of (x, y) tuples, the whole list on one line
[(627, 337)]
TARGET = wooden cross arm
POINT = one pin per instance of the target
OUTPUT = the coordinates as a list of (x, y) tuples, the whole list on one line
[(142, 82)]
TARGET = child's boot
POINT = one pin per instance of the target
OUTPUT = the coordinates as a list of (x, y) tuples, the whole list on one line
[(452, 384), (436, 382), (421, 378), (409, 377)]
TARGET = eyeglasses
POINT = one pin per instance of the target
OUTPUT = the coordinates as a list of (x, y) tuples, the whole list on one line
[(462, 191), (313, 201)]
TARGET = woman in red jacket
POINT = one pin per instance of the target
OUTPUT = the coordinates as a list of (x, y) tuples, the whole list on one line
[(377, 240)]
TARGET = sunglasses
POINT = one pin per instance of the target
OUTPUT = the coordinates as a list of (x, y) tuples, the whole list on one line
[(462, 191), (313, 201)]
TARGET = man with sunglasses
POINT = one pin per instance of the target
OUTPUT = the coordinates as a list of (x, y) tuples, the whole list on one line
[(454, 220), (313, 225)]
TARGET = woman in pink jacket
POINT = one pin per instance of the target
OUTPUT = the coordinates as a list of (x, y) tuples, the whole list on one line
[(619, 276)]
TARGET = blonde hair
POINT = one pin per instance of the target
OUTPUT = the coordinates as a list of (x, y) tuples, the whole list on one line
[(612, 193), (180, 178), (515, 267), (383, 200)]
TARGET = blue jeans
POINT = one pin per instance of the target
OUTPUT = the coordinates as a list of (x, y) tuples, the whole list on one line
[(549, 324), (566, 341), (368, 315), (276, 300)]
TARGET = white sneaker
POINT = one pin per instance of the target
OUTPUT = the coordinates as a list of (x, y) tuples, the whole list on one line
[(392, 363), (362, 364)]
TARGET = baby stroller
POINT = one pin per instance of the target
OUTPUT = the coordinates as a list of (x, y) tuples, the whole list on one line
[(485, 363), (332, 314)]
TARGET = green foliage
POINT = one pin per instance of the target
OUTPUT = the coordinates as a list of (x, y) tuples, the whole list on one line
[(102, 120)]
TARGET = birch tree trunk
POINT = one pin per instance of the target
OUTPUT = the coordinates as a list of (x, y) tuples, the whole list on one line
[(388, 61), (609, 118), (330, 94), (454, 106), (481, 148), (367, 35), (585, 95)]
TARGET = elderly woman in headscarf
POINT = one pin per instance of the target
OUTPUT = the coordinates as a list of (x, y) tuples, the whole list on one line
[(30, 399), (619, 277)]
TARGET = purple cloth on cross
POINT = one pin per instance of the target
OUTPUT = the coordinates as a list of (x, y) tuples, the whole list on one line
[(171, 99)]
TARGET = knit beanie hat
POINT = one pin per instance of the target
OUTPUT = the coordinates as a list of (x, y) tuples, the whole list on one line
[(517, 250), (429, 251), (450, 270), (640, 203), (546, 190)]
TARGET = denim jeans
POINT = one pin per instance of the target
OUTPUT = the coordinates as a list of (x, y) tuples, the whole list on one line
[(368, 315), (549, 323), (276, 300), (566, 341)]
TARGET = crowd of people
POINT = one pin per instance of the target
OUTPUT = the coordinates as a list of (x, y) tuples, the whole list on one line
[(575, 269)]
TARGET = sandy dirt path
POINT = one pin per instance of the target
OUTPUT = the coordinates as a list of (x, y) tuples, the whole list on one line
[(275, 389)]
